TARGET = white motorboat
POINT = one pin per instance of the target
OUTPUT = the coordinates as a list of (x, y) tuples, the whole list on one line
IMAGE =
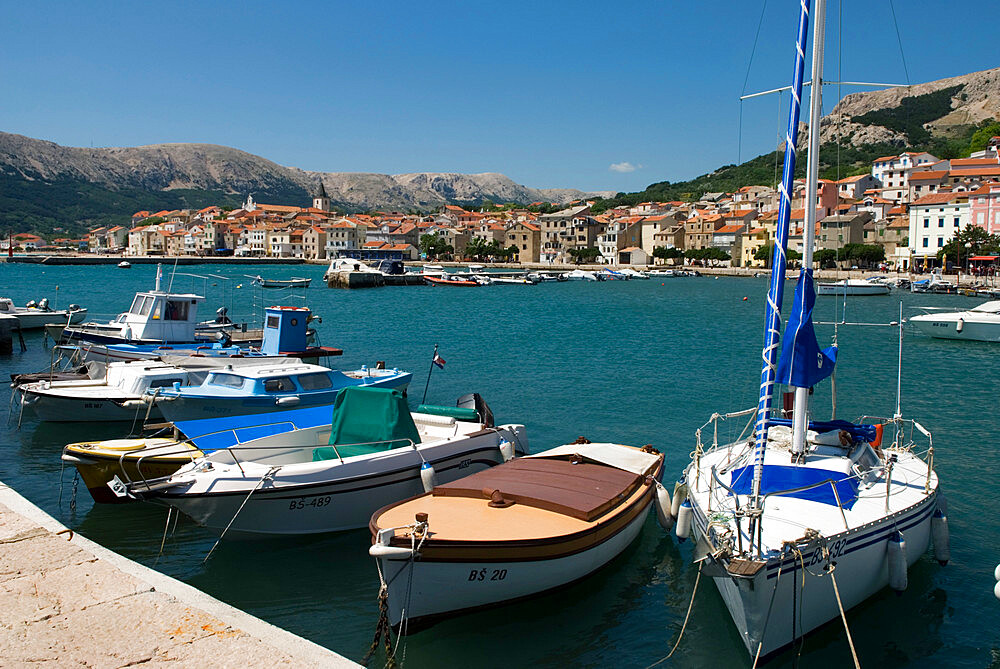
[(116, 397), (806, 519), (581, 275), (332, 477), (525, 527), (935, 284), (37, 315), (124, 264), (633, 273), (294, 282), (853, 287), (980, 323), (513, 281), (432, 270)]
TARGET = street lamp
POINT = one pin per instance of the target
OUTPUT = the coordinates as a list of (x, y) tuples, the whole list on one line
[(968, 257)]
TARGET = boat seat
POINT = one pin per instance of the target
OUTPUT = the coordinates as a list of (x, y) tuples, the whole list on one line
[(583, 491), (435, 421)]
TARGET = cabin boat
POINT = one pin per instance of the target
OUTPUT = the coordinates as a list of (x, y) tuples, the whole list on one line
[(632, 273), (981, 323), (264, 387), (334, 476), (285, 334), (433, 270), (853, 287), (36, 315), (155, 456), (155, 317), (116, 397), (522, 528)]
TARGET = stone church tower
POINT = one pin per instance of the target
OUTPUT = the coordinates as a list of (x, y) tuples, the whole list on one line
[(321, 201)]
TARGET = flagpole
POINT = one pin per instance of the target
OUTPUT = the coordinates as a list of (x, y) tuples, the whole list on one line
[(429, 372)]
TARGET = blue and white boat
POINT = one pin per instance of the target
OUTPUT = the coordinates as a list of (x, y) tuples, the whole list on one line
[(800, 520), (250, 389)]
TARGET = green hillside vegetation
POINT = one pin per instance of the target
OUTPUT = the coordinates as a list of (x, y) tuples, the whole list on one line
[(76, 206), (911, 114), (835, 163)]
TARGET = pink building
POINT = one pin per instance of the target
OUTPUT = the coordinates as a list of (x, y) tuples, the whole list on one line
[(984, 207)]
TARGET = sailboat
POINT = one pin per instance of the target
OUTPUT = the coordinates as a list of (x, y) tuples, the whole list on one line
[(802, 519)]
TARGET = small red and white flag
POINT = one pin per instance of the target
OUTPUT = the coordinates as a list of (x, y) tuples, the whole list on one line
[(438, 360)]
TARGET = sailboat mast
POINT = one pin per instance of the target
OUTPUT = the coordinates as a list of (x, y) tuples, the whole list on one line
[(800, 409), (775, 293)]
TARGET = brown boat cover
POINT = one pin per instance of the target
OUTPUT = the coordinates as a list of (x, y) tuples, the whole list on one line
[(585, 490)]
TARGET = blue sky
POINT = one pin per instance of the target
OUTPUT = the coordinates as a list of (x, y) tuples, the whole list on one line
[(602, 96)]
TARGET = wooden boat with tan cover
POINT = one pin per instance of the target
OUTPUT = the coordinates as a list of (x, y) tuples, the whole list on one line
[(527, 526)]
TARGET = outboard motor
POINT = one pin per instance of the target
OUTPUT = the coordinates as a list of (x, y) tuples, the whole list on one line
[(221, 316), (43, 304), (223, 338), (74, 307), (31, 304), (476, 402)]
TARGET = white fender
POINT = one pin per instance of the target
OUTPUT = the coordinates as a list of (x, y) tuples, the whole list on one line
[(680, 494), (939, 532), (289, 401), (428, 476), (683, 528), (662, 503), (506, 450), (996, 590), (996, 573), (960, 325), (896, 557)]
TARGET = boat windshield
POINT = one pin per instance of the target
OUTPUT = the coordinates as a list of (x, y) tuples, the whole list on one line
[(992, 307), (317, 381), (279, 384), (227, 380)]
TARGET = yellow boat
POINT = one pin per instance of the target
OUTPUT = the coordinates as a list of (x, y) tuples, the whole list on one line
[(100, 462)]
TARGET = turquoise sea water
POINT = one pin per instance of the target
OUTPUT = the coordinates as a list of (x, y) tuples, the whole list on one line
[(635, 362)]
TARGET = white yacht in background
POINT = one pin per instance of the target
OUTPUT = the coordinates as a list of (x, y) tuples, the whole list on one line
[(581, 275), (853, 287), (980, 323)]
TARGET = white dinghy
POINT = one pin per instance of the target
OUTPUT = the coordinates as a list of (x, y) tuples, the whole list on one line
[(805, 519)]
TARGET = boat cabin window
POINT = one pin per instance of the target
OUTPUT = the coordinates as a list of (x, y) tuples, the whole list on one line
[(227, 380), (317, 381), (164, 383), (272, 321), (141, 305), (280, 384), (177, 310)]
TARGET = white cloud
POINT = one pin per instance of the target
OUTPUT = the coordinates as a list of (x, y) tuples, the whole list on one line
[(624, 167)]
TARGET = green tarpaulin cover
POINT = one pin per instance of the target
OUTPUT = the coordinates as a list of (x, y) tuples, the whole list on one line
[(368, 420)]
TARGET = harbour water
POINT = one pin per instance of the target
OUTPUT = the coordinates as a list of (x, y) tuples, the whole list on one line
[(635, 362)]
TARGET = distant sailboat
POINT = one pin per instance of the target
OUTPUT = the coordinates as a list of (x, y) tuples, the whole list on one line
[(804, 519)]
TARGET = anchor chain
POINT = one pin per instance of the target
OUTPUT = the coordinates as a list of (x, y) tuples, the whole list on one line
[(383, 630)]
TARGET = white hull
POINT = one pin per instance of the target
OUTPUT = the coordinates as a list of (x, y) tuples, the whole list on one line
[(861, 571), (329, 496), (33, 319), (61, 409), (945, 326), (834, 289), (438, 588)]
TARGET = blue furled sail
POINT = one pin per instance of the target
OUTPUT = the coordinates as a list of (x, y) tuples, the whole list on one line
[(772, 316), (802, 363)]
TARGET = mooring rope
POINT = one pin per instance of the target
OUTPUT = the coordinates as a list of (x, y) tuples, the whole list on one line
[(687, 616), (843, 616)]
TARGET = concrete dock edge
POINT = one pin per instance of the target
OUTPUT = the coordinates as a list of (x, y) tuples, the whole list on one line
[(291, 649)]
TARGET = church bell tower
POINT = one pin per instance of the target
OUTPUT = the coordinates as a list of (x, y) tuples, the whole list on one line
[(321, 200)]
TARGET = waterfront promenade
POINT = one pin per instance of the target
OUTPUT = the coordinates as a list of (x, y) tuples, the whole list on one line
[(66, 601)]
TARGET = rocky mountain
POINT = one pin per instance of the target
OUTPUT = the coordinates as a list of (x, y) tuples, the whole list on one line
[(962, 101), (77, 186)]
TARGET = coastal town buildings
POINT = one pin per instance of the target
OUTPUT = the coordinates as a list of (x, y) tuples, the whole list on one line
[(909, 204)]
